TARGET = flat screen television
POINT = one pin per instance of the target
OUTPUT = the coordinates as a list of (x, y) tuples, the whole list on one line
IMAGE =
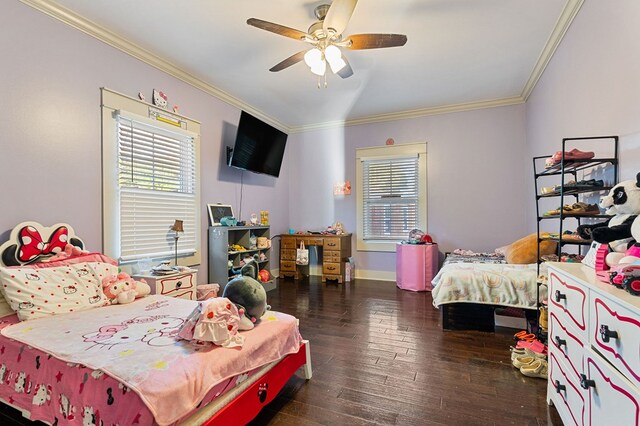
[(259, 146)]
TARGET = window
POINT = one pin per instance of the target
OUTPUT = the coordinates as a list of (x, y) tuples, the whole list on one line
[(391, 188), (150, 179)]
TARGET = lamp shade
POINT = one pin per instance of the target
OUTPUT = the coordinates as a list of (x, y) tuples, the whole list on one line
[(177, 226)]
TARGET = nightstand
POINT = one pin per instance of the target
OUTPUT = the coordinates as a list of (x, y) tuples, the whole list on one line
[(180, 284)]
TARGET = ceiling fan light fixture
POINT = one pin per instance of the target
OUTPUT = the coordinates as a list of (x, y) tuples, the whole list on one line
[(334, 57), (313, 57), (320, 68)]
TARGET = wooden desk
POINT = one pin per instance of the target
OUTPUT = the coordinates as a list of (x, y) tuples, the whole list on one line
[(336, 249)]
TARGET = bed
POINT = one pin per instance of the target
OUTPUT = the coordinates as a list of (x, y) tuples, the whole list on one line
[(469, 287), (122, 364)]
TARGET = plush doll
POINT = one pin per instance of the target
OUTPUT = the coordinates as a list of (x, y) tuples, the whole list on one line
[(213, 320), (248, 295), (69, 251), (123, 289), (623, 201)]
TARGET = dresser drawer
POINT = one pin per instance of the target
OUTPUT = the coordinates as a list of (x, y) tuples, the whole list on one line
[(331, 244), (331, 256), (566, 344), (288, 265), (612, 399), (564, 390), (568, 300), (615, 333), (175, 286), (288, 242), (331, 268), (288, 254)]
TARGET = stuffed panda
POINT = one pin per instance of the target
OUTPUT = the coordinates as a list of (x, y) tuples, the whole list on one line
[(623, 200)]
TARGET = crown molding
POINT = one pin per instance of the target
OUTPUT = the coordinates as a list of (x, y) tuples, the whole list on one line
[(569, 12), (49, 7), (91, 28), (404, 115)]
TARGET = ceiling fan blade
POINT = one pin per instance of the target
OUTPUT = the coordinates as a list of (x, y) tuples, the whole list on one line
[(338, 15), (291, 60), (346, 71), (375, 41), (277, 28)]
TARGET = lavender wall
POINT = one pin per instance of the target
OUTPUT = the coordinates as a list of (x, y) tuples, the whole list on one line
[(591, 87), (476, 187), (50, 161)]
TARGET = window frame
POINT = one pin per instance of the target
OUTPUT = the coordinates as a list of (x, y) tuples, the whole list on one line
[(379, 153), (112, 105)]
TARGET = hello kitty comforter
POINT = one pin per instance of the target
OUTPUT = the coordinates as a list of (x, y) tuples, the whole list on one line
[(136, 344)]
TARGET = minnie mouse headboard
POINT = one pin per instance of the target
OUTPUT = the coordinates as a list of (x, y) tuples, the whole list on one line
[(31, 242)]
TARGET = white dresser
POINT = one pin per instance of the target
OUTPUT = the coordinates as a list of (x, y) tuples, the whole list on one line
[(180, 284), (594, 349)]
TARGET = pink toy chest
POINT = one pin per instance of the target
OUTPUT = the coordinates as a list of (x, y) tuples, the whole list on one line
[(416, 265)]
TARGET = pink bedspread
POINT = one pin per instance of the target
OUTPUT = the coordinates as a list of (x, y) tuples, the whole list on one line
[(172, 377)]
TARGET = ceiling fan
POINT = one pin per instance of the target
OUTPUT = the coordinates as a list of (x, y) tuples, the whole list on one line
[(325, 37)]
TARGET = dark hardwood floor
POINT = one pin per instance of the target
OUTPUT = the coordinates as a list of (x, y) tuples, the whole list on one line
[(379, 356)]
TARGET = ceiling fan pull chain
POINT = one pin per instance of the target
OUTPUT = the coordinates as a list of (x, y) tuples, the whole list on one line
[(325, 81)]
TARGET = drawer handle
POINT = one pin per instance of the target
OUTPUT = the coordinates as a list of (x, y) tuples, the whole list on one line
[(559, 387), (586, 383), (331, 244), (262, 391), (560, 296), (179, 284), (606, 334), (331, 268), (560, 342)]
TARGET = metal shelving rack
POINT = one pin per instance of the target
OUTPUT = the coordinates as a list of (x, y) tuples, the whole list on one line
[(562, 169)]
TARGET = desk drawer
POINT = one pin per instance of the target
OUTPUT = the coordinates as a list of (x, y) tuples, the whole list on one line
[(331, 256), (314, 241), (288, 265), (331, 243), (288, 242), (288, 254), (331, 268)]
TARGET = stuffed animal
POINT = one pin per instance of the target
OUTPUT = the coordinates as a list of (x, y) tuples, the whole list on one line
[(69, 251), (123, 289), (248, 295), (623, 201)]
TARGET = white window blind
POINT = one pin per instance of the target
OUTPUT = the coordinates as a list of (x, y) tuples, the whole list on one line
[(156, 186), (390, 197)]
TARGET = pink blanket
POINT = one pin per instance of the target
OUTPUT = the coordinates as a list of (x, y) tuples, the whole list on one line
[(136, 344)]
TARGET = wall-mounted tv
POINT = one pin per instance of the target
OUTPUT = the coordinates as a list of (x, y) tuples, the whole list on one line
[(259, 146)]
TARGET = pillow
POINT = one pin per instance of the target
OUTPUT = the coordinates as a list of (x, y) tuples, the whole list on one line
[(35, 293), (85, 257), (524, 250), (5, 309)]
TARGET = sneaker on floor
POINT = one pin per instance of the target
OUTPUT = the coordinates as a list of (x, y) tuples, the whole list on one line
[(538, 368)]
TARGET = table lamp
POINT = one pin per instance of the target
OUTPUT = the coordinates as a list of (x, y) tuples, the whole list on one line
[(178, 229)]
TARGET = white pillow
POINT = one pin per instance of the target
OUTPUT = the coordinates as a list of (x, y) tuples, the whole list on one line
[(35, 293), (5, 309)]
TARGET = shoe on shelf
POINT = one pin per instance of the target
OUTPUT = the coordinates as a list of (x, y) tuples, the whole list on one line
[(538, 368), (543, 320)]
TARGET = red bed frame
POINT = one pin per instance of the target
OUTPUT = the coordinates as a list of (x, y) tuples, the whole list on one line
[(246, 405)]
